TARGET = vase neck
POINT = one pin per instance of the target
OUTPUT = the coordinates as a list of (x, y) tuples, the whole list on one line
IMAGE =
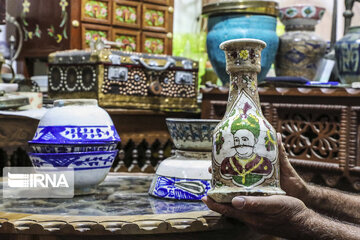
[(297, 27), (242, 81)]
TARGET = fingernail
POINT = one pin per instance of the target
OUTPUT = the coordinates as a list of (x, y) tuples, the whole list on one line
[(204, 199), (238, 202)]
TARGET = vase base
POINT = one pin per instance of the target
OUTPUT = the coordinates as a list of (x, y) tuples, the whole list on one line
[(85, 191), (226, 194)]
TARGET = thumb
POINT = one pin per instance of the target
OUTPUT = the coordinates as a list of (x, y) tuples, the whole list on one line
[(251, 204)]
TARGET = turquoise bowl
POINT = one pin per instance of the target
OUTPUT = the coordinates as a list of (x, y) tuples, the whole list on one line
[(240, 25)]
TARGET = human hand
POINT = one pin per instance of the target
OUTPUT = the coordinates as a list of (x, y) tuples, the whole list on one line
[(278, 215), (290, 181)]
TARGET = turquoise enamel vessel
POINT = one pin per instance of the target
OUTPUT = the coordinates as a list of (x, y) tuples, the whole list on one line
[(241, 25)]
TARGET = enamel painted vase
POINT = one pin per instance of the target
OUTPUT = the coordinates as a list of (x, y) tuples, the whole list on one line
[(245, 151), (301, 50)]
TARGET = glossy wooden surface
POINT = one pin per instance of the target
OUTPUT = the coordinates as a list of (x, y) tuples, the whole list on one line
[(164, 223)]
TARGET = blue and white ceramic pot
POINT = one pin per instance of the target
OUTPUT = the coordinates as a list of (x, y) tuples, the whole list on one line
[(77, 134), (347, 52), (185, 175), (241, 19), (90, 168)]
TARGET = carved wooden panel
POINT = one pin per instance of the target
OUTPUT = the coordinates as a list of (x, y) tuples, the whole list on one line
[(310, 132)]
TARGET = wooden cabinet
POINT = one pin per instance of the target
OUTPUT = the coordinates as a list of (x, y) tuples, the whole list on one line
[(94, 32), (154, 18), (54, 25), (96, 11), (129, 40), (126, 14), (152, 42)]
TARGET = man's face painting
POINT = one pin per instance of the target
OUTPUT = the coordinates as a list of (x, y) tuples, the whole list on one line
[(244, 142)]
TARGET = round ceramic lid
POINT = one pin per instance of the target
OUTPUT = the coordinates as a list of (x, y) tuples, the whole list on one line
[(266, 7)]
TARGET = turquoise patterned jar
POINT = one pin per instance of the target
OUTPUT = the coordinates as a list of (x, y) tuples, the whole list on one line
[(347, 53), (241, 19)]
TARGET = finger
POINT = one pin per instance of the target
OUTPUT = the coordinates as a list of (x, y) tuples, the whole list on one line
[(284, 161), (264, 205), (210, 169), (279, 138), (225, 209)]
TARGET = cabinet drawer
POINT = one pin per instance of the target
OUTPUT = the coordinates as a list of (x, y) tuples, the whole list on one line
[(161, 2), (96, 11), (129, 40), (92, 31), (156, 18), (157, 43), (126, 13)]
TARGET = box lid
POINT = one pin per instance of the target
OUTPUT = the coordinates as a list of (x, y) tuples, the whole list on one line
[(116, 57)]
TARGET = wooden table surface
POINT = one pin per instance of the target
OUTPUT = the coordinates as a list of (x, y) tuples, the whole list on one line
[(168, 220)]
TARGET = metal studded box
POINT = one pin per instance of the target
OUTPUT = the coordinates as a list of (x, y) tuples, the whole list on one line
[(124, 79)]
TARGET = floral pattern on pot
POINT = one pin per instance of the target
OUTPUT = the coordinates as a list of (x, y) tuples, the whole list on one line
[(96, 9), (301, 11), (94, 35), (78, 161), (52, 148), (154, 45), (126, 43), (154, 18), (190, 134), (347, 52), (75, 134), (244, 55), (179, 189), (308, 11), (291, 12), (125, 14)]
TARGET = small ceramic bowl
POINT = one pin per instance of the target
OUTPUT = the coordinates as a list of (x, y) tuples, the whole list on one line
[(191, 134), (301, 14), (90, 168), (185, 175), (48, 148)]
